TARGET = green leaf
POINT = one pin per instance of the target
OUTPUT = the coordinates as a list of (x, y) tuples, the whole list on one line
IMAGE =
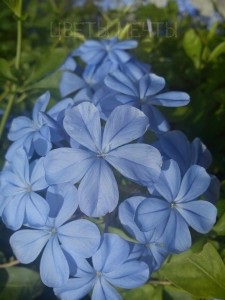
[(177, 294), (220, 226), (48, 63), (49, 82), (5, 71), (193, 47), (14, 5), (220, 49), (144, 292), (19, 283), (201, 274)]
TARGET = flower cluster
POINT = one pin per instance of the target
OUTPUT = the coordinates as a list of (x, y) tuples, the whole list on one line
[(62, 179)]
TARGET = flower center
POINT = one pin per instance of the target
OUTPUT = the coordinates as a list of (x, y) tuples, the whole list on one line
[(101, 154), (143, 100), (98, 274), (172, 204), (53, 230), (28, 188)]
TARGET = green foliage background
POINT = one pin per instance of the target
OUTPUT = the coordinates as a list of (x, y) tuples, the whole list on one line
[(183, 50)]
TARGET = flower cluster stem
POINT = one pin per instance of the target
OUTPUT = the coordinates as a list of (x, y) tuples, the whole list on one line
[(11, 98)]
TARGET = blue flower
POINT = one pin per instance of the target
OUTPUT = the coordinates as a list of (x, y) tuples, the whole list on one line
[(112, 50), (143, 92), (62, 243), (149, 246), (110, 268), (98, 191), (178, 207), (83, 87), (21, 202), (175, 145), (32, 134)]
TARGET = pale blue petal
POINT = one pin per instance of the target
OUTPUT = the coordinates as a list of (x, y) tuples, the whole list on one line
[(40, 105), (54, 269), (69, 64), (151, 212), (121, 83), (75, 288), (200, 154), (57, 111), (124, 125), (13, 185), (82, 123), (24, 142), (134, 69), (67, 165), (138, 162), (129, 275), (28, 243), (70, 83), (20, 127), (112, 253), (174, 144), (63, 202), (213, 192), (84, 269), (157, 121), (177, 237), (118, 55), (40, 144), (79, 238), (94, 56), (14, 212), (126, 215), (37, 209), (98, 192), (169, 181), (37, 179), (200, 215), (124, 99), (104, 291), (171, 99), (20, 165), (150, 84), (195, 182), (83, 95)]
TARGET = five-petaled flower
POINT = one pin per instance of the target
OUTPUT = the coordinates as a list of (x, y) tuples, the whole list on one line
[(98, 191)]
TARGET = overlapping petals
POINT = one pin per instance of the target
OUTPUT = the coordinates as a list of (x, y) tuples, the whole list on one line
[(178, 207), (98, 192), (111, 268)]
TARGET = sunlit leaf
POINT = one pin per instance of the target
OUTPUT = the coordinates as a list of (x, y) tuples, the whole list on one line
[(193, 47), (201, 274), (145, 292), (220, 49)]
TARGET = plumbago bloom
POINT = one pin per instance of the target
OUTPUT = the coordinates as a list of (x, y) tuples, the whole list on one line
[(63, 242), (111, 267), (176, 205), (33, 134), (21, 203), (98, 190), (143, 92), (175, 145), (61, 184), (110, 51), (149, 245)]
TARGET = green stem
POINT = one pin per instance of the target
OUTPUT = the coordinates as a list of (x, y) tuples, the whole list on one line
[(17, 66), (19, 37)]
